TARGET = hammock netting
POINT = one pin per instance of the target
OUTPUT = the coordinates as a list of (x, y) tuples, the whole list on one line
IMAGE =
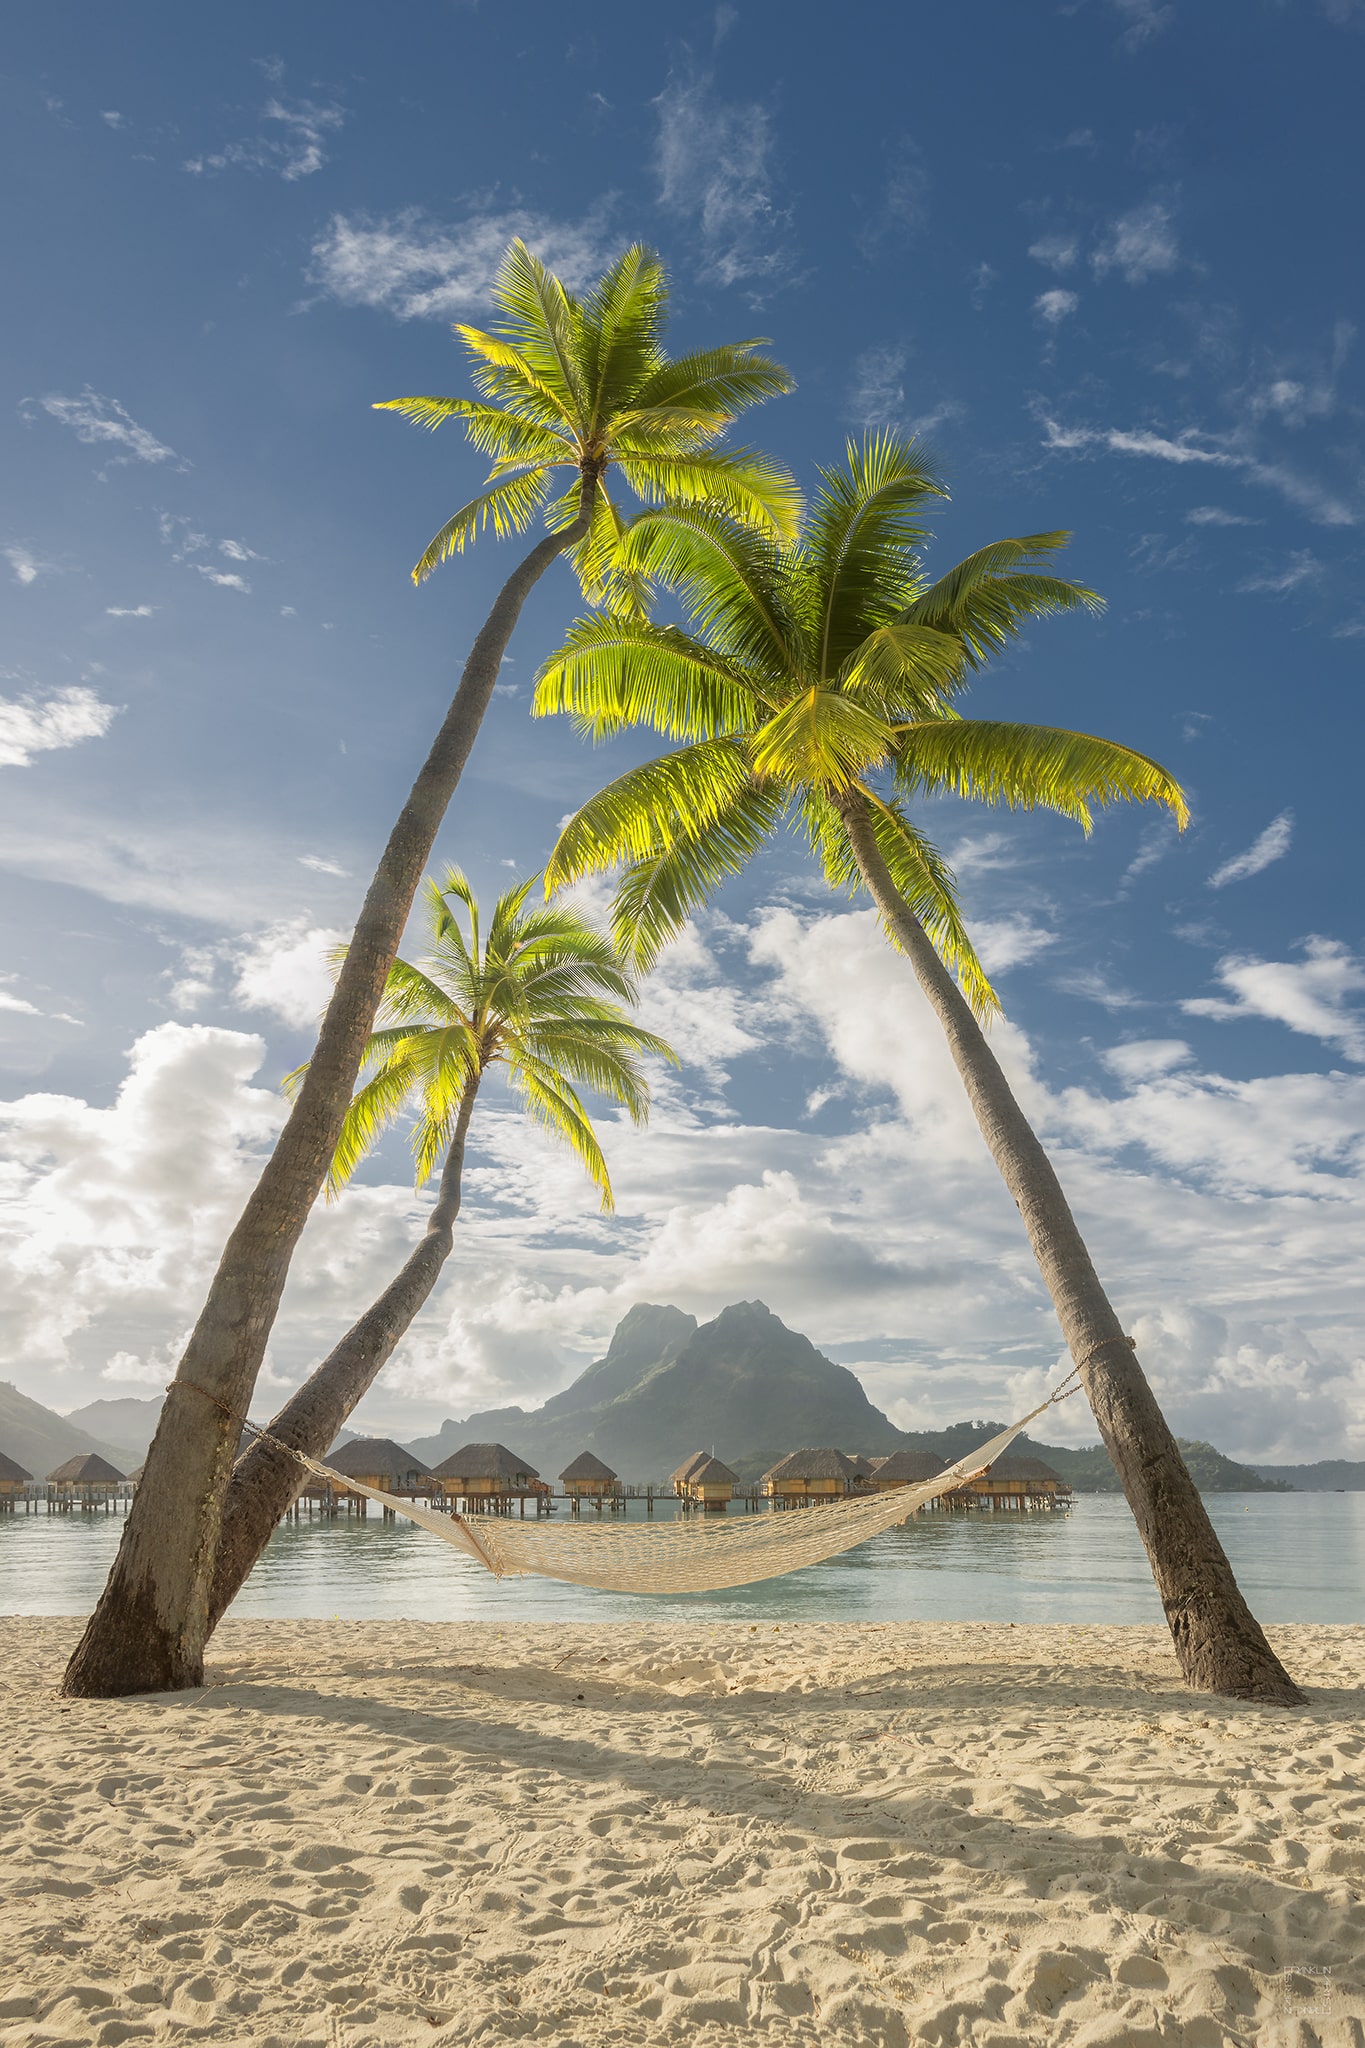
[(694, 1554)]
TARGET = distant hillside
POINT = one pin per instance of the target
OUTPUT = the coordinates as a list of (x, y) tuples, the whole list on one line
[(756, 1390), (1090, 1470), (744, 1382), (41, 1439), (1330, 1475), (129, 1422)]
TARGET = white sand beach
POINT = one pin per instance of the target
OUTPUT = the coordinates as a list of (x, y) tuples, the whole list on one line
[(371, 1833)]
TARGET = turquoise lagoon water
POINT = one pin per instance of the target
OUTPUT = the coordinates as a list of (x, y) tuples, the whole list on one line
[(1298, 1557)]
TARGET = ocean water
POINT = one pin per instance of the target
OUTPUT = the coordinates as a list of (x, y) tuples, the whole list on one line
[(1298, 1557)]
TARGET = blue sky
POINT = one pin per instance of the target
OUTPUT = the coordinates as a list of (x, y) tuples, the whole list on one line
[(1102, 256)]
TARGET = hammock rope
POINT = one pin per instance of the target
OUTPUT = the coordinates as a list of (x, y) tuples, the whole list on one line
[(702, 1555)]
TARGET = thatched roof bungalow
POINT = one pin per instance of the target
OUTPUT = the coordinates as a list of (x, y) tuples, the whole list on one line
[(89, 1475), (13, 1477), (906, 1468), (712, 1486), (817, 1474), (1016, 1483), (483, 1471), (678, 1480), (379, 1462), (587, 1478)]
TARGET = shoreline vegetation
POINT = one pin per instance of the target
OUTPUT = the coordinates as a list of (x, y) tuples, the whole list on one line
[(874, 1834)]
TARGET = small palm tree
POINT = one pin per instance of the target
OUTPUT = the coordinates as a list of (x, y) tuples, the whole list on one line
[(542, 996), (820, 687), (566, 383)]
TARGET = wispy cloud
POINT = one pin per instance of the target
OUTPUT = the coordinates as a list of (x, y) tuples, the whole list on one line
[(903, 209), (31, 724), (226, 579), (1271, 845), (417, 268), (320, 866), (129, 611), (1055, 306), (187, 544), (1139, 244), (1214, 515), (877, 395), (26, 566), (103, 423), (1302, 567), (1145, 19), (1312, 996), (1192, 446), (1057, 251), (292, 142), (716, 168)]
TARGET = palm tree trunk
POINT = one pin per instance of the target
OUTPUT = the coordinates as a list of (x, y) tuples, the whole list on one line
[(265, 1480), (1217, 1638), (147, 1633)]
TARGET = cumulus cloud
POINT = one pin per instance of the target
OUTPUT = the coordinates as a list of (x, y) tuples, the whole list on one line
[(418, 268), (26, 566), (1271, 845), (31, 725), (716, 166), (103, 423), (288, 971), (1312, 996), (1139, 245), (1055, 306), (1058, 250)]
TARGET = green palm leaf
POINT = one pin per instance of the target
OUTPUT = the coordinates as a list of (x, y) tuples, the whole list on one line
[(1029, 767)]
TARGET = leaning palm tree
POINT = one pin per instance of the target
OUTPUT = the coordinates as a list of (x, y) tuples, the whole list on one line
[(540, 996), (568, 385), (820, 686)]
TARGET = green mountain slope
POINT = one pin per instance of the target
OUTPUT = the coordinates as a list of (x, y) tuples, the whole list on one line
[(41, 1439), (1329, 1475)]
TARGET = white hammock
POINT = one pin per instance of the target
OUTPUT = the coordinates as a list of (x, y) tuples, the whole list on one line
[(705, 1554)]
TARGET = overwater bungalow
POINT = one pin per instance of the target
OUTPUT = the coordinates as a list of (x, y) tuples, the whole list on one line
[(809, 1475), (379, 1462), (679, 1480), (905, 1468), (13, 1480), (1015, 1484), (87, 1478), (587, 1478), (862, 1468), (489, 1475), (711, 1486)]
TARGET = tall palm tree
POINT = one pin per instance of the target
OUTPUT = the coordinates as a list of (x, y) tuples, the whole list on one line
[(542, 997), (820, 686), (571, 384)]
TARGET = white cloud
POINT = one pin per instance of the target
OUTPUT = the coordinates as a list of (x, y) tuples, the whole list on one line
[(1146, 19), (226, 579), (113, 118), (1142, 1059), (1193, 446), (130, 611), (1058, 251), (287, 970), (1270, 845), (1005, 942), (1214, 515), (1311, 996), (32, 725), (1140, 244), (293, 143), (320, 866), (715, 166), (238, 551), (877, 395), (27, 566), (103, 423), (1055, 306), (17, 1005), (417, 268), (1302, 567)]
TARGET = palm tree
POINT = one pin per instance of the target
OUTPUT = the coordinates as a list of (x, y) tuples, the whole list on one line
[(542, 997), (566, 383), (819, 686)]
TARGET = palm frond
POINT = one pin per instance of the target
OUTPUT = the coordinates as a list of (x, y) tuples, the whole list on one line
[(490, 428), (554, 1105), (820, 737), (614, 672), (987, 599), (1031, 767), (749, 484), (658, 892), (729, 578), (508, 506), (861, 536), (540, 320), (657, 804)]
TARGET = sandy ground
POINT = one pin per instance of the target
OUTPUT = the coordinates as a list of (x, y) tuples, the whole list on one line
[(368, 1833)]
